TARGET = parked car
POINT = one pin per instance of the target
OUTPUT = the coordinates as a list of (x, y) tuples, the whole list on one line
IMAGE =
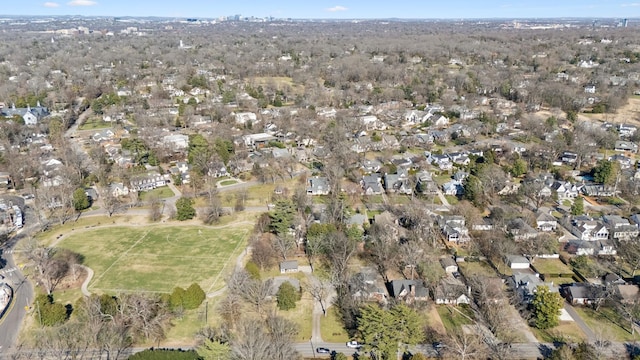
[(322, 350), (353, 345)]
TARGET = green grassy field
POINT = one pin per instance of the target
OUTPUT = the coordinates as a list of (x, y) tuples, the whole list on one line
[(161, 192), (94, 124), (331, 327), (156, 259), (551, 266), (452, 319)]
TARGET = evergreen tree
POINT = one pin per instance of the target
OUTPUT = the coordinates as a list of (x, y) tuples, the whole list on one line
[(577, 208), (214, 350), (546, 307), (80, 199), (287, 296), (48, 312), (282, 216), (185, 210), (193, 297)]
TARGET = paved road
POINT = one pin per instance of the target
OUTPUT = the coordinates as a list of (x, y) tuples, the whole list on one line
[(591, 337), (23, 296)]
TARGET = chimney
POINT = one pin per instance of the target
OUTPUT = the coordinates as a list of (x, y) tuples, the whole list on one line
[(412, 290)]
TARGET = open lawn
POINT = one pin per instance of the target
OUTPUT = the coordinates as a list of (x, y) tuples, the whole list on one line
[(551, 266), (157, 258), (566, 331), (94, 124), (228, 182), (161, 192), (469, 268), (452, 319), (608, 322), (331, 327), (302, 315)]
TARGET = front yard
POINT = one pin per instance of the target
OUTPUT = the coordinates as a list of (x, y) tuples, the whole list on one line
[(607, 322), (454, 317)]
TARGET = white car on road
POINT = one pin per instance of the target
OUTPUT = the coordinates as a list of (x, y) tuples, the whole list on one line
[(353, 345)]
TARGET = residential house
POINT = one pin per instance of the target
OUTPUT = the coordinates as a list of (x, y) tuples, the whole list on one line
[(589, 230), (625, 130), (441, 161), (288, 266), (589, 248), (318, 186), (598, 190), (452, 188), (408, 290), (148, 182), (526, 284), (485, 224), (440, 121), (426, 185), (520, 230), (454, 229), (398, 183), (565, 190), (546, 222), (364, 285), (590, 89), (177, 142), (257, 141), (246, 118), (620, 228), (583, 294), (623, 146), (449, 265), (451, 291), (569, 157), (460, 158), (624, 161), (371, 166), (30, 115), (372, 184), (103, 135), (118, 189)]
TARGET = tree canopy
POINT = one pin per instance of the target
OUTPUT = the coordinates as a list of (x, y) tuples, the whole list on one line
[(546, 307)]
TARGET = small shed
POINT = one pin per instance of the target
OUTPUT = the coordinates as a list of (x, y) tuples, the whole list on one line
[(288, 266), (449, 265)]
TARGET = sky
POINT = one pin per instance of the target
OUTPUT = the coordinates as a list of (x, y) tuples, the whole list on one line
[(334, 9)]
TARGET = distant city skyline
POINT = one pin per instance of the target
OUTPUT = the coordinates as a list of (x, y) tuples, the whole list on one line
[(334, 9)]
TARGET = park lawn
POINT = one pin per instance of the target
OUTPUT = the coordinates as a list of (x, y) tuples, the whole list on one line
[(161, 192), (452, 319), (469, 268), (331, 327), (551, 266), (83, 223), (157, 258), (608, 322), (566, 331)]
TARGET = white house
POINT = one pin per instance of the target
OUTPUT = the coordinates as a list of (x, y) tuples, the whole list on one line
[(176, 141)]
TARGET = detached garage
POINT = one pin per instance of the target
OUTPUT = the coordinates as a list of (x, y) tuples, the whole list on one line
[(518, 262)]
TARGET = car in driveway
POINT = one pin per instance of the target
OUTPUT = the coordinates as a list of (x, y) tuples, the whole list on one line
[(322, 350), (354, 345)]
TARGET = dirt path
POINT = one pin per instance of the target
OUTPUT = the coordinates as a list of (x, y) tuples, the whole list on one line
[(436, 321), (86, 281)]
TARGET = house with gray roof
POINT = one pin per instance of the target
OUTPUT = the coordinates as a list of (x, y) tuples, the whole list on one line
[(30, 115), (318, 185), (408, 290), (288, 266), (371, 184)]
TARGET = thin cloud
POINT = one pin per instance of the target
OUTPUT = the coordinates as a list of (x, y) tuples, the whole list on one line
[(82, 3), (50, 4), (337, 8), (631, 5)]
